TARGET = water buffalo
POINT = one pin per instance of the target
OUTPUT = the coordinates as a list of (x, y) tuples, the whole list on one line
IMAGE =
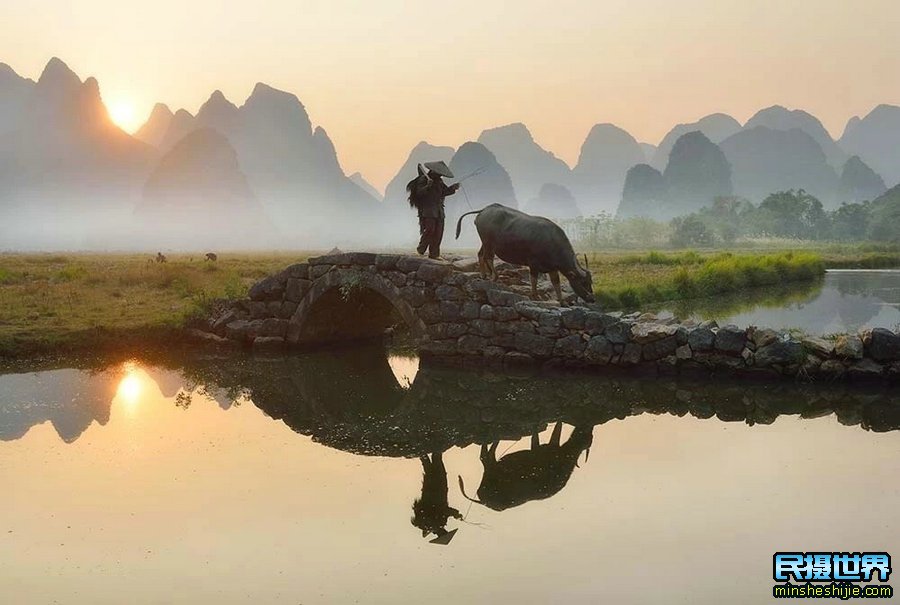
[(534, 241), (212, 256), (534, 474)]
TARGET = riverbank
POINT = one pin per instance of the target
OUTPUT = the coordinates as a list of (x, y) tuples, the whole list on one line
[(57, 304)]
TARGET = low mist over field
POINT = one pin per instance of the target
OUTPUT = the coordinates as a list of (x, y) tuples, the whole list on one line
[(258, 173)]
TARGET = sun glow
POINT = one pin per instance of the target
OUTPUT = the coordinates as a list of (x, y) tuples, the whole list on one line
[(123, 114)]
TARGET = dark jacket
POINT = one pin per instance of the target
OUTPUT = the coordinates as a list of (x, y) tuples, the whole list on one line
[(427, 196)]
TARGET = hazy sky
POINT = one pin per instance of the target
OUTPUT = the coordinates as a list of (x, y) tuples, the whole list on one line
[(380, 75)]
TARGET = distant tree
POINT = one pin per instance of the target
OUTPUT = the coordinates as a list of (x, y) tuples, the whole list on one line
[(794, 214), (884, 224), (850, 222), (690, 230)]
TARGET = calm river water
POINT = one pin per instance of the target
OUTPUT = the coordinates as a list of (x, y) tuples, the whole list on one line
[(844, 301), (325, 478)]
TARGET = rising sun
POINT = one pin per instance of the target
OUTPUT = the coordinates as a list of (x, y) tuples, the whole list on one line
[(123, 114)]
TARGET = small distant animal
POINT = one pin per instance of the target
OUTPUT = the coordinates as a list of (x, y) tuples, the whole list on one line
[(212, 256), (533, 241), (161, 258)]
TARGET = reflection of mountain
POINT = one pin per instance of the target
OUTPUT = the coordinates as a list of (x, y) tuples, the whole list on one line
[(353, 402), (70, 399)]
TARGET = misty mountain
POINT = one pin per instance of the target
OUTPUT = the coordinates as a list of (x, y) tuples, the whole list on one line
[(643, 193), (555, 202), (716, 127), (649, 151), (765, 161), (67, 173), (859, 182), (292, 169), (197, 197), (696, 174), (606, 155), (359, 180), (154, 129), (528, 164), (14, 94), (780, 118), (395, 196), (180, 125), (489, 182), (876, 140)]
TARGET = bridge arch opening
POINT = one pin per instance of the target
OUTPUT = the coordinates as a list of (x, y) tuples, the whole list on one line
[(344, 307)]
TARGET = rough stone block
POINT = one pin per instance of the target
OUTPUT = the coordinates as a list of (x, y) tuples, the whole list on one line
[(470, 344), (270, 288), (701, 339), (503, 298), (619, 332), (386, 262), (818, 346), (598, 350), (730, 339), (444, 292), (433, 273), (849, 346), (882, 345), (450, 310), (658, 349), (533, 344)]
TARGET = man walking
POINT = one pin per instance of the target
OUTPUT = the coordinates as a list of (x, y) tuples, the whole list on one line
[(426, 194)]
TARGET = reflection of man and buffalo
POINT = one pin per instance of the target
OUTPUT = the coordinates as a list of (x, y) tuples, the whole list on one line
[(353, 402)]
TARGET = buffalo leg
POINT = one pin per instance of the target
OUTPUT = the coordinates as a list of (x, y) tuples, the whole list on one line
[(557, 434), (534, 278), (482, 264), (554, 279), (489, 263), (535, 441)]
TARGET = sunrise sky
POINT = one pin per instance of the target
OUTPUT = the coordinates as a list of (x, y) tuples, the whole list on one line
[(382, 75)]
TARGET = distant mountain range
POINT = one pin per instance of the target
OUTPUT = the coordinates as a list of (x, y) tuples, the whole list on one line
[(261, 175)]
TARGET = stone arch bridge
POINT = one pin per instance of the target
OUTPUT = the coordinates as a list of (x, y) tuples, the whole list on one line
[(455, 315)]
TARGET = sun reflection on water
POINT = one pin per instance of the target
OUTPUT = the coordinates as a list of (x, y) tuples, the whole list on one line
[(130, 387)]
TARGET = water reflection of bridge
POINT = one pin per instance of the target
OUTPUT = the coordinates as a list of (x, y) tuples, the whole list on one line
[(353, 401)]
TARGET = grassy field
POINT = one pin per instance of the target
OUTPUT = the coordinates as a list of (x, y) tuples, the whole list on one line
[(61, 302), (52, 301), (630, 281)]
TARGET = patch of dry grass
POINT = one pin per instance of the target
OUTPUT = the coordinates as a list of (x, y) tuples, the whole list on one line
[(46, 298)]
